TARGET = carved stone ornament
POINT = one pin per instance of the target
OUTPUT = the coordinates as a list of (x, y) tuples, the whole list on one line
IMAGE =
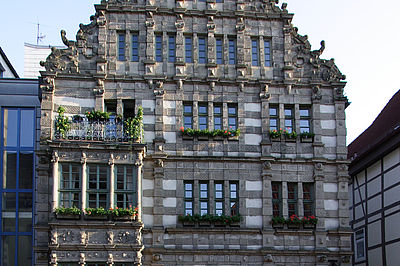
[(150, 23), (47, 84), (53, 237), (179, 84), (83, 238), (268, 258), (264, 94), (179, 24), (322, 258), (319, 166), (110, 259), (267, 165), (83, 158), (111, 159), (82, 258), (54, 157), (157, 257), (159, 163), (53, 258), (110, 237), (316, 93), (63, 60), (346, 259)]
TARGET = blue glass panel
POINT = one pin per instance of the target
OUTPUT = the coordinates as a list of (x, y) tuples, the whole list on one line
[(202, 109), (27, 128), (188, 50), (232, 110), (121, 47), (25, 170), (135, 48), (171, 48), (187, 109), (254, 52), (232, 52), (24, 250), (202, 50), (10, 127), (8, 251), (10, 169), (219, 51), (159, 48), (273, 111), (188, 120)]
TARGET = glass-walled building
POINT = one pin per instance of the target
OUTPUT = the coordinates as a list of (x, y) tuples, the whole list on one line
[(19, 103)]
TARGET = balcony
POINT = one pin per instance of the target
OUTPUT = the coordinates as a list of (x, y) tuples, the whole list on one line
[(110, 129)]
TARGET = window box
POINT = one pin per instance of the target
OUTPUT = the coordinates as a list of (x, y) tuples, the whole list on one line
[(234, 138), (188, 224), (219, 224), (306, 139), (276, 139), (202, 137), (218, 138), (308, 226), (278, 225), (289, 139), (234, 224), (185, 137), (204, 223), (96, 217), (125, 218), (68, 216), (293, 226)]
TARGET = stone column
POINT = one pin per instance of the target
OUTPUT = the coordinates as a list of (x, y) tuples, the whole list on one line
[(139, 165), (84, 181), (112, 182), (54, 162)]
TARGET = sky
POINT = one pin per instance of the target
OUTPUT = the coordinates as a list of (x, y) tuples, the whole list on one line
[(363, 37)]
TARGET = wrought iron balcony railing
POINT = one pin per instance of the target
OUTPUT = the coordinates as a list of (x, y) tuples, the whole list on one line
[(101, 130)]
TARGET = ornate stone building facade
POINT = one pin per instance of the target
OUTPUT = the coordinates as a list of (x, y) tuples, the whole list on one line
[(214, 77)]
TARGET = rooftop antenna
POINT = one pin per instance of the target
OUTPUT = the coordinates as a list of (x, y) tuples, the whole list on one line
[(39, 36)]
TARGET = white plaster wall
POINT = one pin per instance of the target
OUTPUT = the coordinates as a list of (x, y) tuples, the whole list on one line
[(327, 109), (374, 234), (375, 257), (328, 124), (329, 141), (170, 104), (149, 136), (149, 104), (252, 122), (170, 137), (253, 203), (169, 184), (252, 139), (330, 187), (391, 159), (393, 254), (331, 223), (373, 170), (147, 220), (253, 185), (253, 221), (392, 227), (392, 177), (252, 107), (147, 184), (169, 202), (374, 204), (169, 120), (147, 202), (331, 205), (72, 101), (149, 119), (169, 220)]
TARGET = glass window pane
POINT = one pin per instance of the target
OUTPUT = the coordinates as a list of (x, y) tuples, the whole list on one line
[(218, 186), (203, 194), (10, 127), (8, 251), (25, 201), (218, 194), (9, 169), (25, 170), (304, 123), (288, 112), (304, 112), (188, 205), (25, 221), (187, 109), (27, 128), (203, 109), (217, 110), (203, 205), (233, 195), (217, 120), (218, 205), (232, 110), (203, 186), (24, 250)]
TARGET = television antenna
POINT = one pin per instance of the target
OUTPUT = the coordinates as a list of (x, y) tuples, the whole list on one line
[(39, 36)]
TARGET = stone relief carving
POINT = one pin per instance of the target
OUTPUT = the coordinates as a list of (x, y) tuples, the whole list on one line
[(63, 60), (47, 84), (268, 258), (53, 237), (53, 258), (83, 238), (110, 237), (265, 92), (316, 93), (67, 236)]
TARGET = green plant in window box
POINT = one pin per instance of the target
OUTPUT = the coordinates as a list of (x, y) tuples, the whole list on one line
[(62, 122), (275, 134), (133, 126), (311, 220), (306, 135), (97, 116), (126, 213), (68, 212), (211, 133), (278, 221), (293, 221), (99, 212), (290, 135)]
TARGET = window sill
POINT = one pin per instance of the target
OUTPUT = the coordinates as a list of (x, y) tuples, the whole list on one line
[(96, 217), (306, 140), (68, 216)]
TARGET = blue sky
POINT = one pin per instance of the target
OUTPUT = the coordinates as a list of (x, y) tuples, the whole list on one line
[(362, 36)]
